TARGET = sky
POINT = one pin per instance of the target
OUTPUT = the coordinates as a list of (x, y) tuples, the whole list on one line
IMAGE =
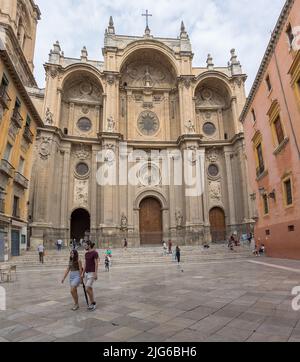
[(214, 26)]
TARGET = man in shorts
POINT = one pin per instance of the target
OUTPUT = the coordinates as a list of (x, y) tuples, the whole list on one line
[(90, 272)]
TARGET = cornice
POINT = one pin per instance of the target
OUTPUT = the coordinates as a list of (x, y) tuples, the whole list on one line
[(267, 56)]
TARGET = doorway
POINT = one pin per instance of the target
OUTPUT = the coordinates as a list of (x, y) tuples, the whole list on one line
[(217, 224), (151, 230), (80, 224)]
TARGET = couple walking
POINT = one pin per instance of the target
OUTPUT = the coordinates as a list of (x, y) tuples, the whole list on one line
[(85, 275)]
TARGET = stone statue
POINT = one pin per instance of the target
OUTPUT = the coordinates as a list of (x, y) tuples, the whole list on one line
[(179, 219), (111, 124), (190, 127), (147, 78), (49, 117), (124, 222)]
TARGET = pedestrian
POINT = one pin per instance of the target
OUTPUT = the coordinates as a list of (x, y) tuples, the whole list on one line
[(125, 244), (231, 243), (107, 263), (90, 272), (170, 246), (164, 248), (59, 244), (41, 251), (75, 270), (250, 237), (262, 250), (256, 251), (178, 254), (109, 254)]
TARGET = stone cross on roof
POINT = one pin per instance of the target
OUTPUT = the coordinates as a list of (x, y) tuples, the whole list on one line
[(147, 15)]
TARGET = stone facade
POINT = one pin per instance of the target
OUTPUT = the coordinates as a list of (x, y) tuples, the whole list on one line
[(147, 94)]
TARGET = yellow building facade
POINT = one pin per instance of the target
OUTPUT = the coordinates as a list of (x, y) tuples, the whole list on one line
[(19, 121)]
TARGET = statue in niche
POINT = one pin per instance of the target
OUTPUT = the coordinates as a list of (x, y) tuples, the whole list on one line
[(179, 219), (124, 222), (49, 117), (111, 125), (148, 79), (190, 127)]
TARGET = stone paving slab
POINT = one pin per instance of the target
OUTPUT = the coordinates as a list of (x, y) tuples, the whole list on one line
[(238, 301)]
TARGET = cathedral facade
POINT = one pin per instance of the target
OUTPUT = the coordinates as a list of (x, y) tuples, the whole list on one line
[(145, 98)]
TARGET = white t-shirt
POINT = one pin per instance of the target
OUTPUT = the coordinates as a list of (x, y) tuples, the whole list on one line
[(41, 249), (59, 242)]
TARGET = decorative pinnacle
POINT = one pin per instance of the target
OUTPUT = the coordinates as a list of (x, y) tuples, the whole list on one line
[(182, 27), (183, 32), (111, 27)]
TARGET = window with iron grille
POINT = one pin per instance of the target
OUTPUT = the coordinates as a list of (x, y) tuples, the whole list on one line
[(266, 204), (288, 192), (261, 164)]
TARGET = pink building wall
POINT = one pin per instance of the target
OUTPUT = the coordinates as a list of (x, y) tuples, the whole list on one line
[(281, 242)]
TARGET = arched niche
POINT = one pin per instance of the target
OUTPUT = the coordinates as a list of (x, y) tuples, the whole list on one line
[(81, 98), (214, 112), (148, 82)]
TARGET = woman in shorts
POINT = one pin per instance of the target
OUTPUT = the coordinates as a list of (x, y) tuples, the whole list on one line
[(75, 270)]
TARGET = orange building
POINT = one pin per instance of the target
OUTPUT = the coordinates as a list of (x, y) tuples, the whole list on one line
[(271, 120)]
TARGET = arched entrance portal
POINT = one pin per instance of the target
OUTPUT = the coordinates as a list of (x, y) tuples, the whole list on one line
[(151, 230), (217, 224), (80, 224)]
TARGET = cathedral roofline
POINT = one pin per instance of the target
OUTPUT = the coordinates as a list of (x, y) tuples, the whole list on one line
[(36, 8)]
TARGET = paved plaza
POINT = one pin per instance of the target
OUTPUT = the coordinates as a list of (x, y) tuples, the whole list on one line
[(230, 300)]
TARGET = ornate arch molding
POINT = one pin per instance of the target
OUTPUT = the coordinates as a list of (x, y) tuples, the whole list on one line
[(151, 193), (210, 75), (150, 44), (72, 69)]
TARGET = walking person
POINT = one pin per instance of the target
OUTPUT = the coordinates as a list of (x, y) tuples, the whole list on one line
[(170, 247), (75, 270), (59, 244), (107, 263), (41, 251), (90, 272), (125, 244), (164, 248), (178, 254)]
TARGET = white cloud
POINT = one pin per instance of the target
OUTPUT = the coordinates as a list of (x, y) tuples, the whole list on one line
[(214, 26)]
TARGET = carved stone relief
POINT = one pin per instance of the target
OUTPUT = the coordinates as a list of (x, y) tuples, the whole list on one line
[(147, 75), (82, 153), (81, 190), (45, 148), (215, 192), (207, 98), (83, 90)]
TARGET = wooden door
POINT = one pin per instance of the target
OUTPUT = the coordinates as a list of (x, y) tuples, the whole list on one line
[(217, 224), (150, 222)]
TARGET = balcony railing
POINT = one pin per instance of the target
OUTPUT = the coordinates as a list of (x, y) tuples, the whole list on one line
[(21, 180), (6, 168), (17, 118), (4, 97), (28, 135)]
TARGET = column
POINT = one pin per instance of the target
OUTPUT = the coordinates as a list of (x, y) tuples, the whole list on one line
[(65, 186), (231, 191)]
